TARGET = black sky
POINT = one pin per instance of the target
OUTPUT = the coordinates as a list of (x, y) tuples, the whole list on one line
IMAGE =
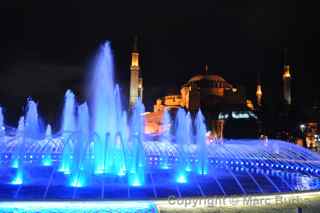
[(45, 46)]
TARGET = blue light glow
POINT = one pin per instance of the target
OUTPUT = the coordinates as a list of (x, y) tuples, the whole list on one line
[(15, 163), (47, 161), (73, 206), (18, 180), (182, 179), (136, 182)]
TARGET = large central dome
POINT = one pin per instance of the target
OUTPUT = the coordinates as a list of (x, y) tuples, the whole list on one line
[(206, 77), (216, 80)]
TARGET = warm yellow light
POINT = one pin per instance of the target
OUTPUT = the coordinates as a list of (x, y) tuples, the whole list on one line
[(286, 73), (249, 104), (135, 59), (259, 91)]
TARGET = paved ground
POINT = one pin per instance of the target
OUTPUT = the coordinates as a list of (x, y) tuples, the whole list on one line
[(307, 202)]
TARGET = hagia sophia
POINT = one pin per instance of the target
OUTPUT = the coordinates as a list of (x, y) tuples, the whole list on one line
[(213, 95), (228, 112)]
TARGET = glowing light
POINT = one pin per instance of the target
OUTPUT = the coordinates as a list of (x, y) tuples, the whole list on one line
[(182, 179), (259, 91), (136, 182), (165, 167), (47, 161), (77, 182), (223, 116), (122, 172), (202, 171), (18, 180), (302, 127), (286, 73), (66, 171), (240, 115), (99, 170), (188, 168), (15, 164), (78, 206)]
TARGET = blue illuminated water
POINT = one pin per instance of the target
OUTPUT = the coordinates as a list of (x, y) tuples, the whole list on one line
[(201, 140), (182, 137), (69, 113), (102, 152), (32, 126), (2, 129)]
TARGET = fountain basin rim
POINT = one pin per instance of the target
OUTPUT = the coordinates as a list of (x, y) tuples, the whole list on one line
[(230, 201)]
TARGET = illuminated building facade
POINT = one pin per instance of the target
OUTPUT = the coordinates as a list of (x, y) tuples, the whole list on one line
[(213, 95), (136, 83), (307, 127), (202, 91)]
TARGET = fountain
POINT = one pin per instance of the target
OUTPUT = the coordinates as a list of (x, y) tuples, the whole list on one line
[(102, 153), (182, 124), (2, 129), (165, 137), (32, 126), (202, 151), (137, 156), (69, 113)]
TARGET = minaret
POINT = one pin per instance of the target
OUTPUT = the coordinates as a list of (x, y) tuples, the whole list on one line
[(206, 69), (259, 91), (286, 84), (286, 77), (136, 86)]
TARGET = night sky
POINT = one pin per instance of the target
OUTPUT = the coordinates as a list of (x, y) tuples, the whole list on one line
[(45, 47)]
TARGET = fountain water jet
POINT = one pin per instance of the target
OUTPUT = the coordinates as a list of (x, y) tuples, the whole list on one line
[(137, 155), (18, 154), (202, 150), (68, 128), (81, 167), (182, 140), (46, 157), (69, 113), (32, 127), (189, 138), (2, 130), (29, 131), (103, 103), (165, 137), (49, 132)]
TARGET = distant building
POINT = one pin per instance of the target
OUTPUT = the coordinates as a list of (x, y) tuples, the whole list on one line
[(213, 95), (308, 128), (203, 91)]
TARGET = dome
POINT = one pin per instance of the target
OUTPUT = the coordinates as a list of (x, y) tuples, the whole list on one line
[(215, 79), (206, 77)]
